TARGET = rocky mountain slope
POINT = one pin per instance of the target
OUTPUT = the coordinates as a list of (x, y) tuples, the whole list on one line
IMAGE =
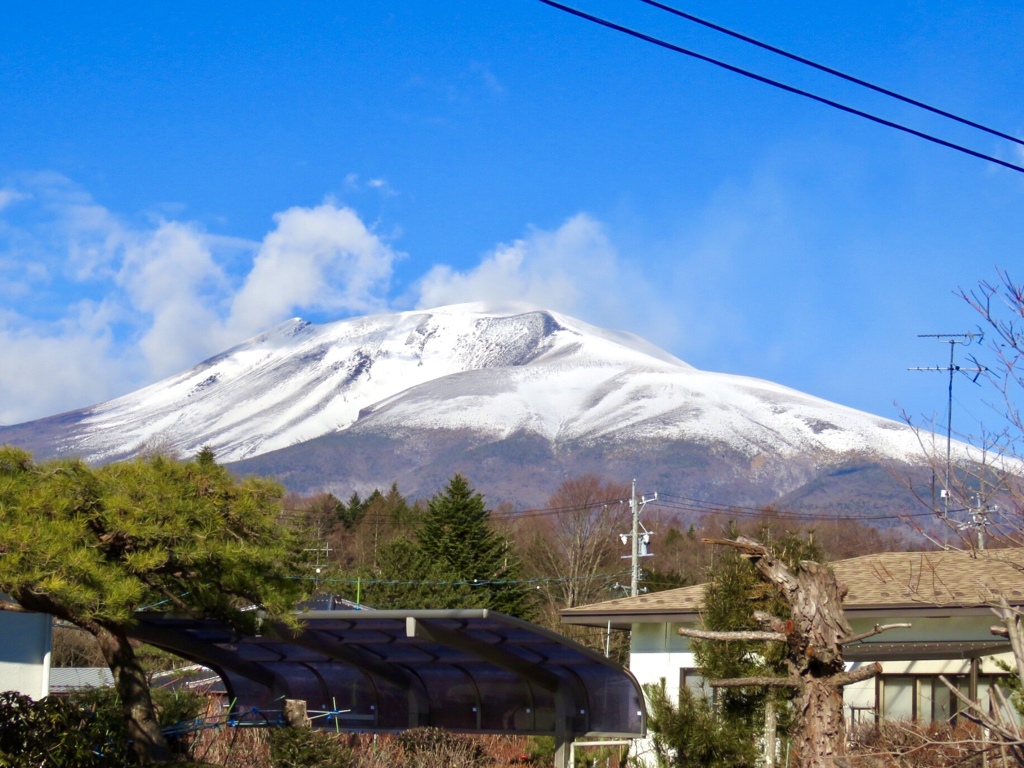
[(517, 398)]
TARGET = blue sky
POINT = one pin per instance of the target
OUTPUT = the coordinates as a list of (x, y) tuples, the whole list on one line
[(175, 178)]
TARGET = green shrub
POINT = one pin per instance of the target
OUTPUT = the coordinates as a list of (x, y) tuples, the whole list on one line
[(692, 732), (85, 729), (58, 731), (306, 748)]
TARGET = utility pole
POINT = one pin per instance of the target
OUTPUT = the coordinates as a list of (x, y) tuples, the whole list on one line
[(323, 547), (979, 516), (952, 339), (638, 541)]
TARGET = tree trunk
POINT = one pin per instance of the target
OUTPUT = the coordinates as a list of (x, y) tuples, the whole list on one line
[(815, 634), (821, 736), (132, 687)]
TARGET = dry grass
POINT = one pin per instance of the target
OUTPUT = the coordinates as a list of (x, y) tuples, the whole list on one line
[(423, 748)]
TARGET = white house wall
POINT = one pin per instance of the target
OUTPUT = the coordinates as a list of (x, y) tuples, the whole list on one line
[(25, 653), (658, 651)]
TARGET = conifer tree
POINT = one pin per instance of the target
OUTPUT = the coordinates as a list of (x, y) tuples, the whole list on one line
[(95, 546), (456, 533), (456, 560)]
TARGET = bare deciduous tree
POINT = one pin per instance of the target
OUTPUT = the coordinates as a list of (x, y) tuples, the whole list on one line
[(814, 636), (983, 481), (573, 547)]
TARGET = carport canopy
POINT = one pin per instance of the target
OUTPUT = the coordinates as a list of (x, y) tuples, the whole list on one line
[(474, 671)]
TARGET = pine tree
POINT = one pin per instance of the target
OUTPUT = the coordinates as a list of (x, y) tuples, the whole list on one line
[(94, 546), (733, 593)]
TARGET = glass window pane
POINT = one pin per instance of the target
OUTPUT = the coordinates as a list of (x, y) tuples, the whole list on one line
[(984, 684), (943, 707), (898, 698)]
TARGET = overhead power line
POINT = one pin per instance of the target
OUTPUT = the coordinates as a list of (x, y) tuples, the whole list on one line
[(783, 86), (831, 71), (544, 511), (676, 503), (683, 504)]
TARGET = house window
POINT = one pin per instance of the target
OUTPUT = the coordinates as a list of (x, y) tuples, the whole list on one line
[(898, 698), (926, 698), (689, 678), (937, 700)]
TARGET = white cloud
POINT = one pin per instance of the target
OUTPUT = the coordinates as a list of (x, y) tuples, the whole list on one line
[(127, 303), (488, 78), (8, 196), (381, 186), (574, 269), (49, 368), (321, 258), (545, 268), (170, 277)]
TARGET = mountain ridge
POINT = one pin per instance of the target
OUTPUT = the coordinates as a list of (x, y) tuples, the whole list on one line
[(425, 392)]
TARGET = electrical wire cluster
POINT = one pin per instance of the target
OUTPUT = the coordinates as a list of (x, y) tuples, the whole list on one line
[(473, 583), (698, 506), (799, 91)]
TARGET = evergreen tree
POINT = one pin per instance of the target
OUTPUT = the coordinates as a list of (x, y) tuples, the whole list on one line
[(455, 532), (692, 733), (406, 578), (456, 560), (94, 546)]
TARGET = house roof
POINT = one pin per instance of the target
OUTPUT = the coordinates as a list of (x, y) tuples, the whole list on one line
[(70, 679), (891, 582)]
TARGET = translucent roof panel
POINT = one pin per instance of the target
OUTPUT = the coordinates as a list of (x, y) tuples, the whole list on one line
[(465, 670)]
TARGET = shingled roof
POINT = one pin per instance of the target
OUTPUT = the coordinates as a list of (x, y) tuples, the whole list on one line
[(888, 582)]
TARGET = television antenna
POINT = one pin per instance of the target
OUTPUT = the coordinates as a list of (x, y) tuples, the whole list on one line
[(964, 339)]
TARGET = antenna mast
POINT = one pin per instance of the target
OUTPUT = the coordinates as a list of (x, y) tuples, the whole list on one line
[(952, 339)]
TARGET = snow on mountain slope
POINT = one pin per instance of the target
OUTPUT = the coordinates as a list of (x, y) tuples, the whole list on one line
[(495, 372)]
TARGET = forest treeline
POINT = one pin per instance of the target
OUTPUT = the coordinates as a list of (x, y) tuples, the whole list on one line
[(453, 551)]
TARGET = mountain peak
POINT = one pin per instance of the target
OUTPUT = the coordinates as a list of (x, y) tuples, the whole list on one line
[(484, 371)]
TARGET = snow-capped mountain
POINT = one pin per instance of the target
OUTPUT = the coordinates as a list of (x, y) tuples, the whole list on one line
[(434, 385)]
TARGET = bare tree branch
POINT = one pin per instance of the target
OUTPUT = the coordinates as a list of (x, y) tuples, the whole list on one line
[(856, 675), (8, 605), (1007, 733), (748, 547), (739, 635), (1014, 624), (879, 629), (749, 682)]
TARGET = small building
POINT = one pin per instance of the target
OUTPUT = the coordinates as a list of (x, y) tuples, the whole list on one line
[(945, 595), (25, 640)]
